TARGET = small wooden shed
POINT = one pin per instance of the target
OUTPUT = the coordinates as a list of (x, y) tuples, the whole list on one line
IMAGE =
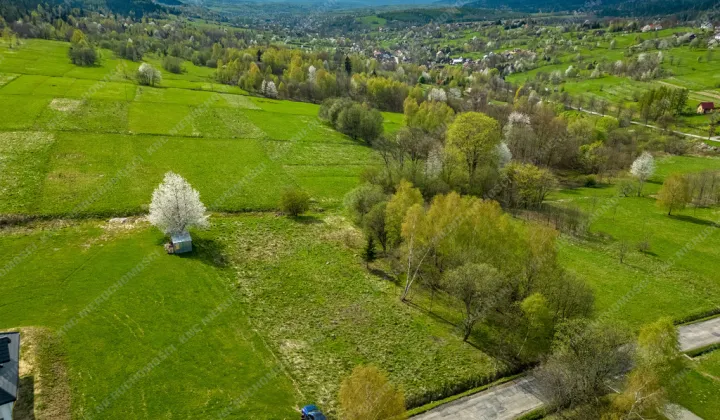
[(181, 243)]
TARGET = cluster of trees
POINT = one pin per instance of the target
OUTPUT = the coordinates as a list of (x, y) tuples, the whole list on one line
[(504, 274), (704, 188), (662, 103), (678, 190), (586, 356), (81, 52), (356, 120)]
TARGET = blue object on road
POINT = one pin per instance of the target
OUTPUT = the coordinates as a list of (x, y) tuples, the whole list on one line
[(311, 412)]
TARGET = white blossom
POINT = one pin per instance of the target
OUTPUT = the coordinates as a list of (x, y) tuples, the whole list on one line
[(643, 167), (434, 162), (176, 206), (269, 89), (571, 72), (518, 118), (436, 94), (311, 74), (504, 154), (148, 75)]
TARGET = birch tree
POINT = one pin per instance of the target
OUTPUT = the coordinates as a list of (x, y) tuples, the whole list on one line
[(481, 288)]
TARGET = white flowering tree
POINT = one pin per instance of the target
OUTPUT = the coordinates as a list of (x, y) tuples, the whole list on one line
[(312, 71), (269, 89), (148, 75), (176, 206), (436, 94), (519, 135), (504, 154), (642, 169)]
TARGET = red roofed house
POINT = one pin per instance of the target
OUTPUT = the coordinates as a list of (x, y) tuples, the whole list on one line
[(705, 107)]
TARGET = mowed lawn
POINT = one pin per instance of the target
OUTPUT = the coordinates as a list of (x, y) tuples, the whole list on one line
[(89, 141), (146, 334), (644, 287), (151, 335), (699, 387)]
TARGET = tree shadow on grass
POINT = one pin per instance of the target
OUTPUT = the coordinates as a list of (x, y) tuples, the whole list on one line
[(429, 313), (208, 251), (692, 219), (384, 275), (25, 406), (306, 219)]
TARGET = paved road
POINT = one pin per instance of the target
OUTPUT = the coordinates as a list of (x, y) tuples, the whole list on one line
[(716, 138), (701, 334), (506, 401), (515, 398), (678, 412)]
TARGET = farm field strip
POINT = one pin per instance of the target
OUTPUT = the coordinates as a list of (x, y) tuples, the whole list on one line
[(98, 127)]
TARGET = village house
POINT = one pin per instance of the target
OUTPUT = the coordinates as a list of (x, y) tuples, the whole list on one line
[(705, 107)]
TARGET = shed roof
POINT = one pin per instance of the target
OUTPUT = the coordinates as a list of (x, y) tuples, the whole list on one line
[(180, 237), (707, 105), (9, 364)]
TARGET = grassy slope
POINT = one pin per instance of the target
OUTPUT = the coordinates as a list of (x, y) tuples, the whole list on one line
[(689, 287), (74, 138), (698, 390), (301, 293), (95, 123), (324, 313), (138, 317)]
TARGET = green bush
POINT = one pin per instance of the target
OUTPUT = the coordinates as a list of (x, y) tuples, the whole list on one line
[(172, 64), (590, 181), (82, 54), (295, 202)]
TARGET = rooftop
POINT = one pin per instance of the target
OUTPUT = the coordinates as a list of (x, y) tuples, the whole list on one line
[(9, 364)]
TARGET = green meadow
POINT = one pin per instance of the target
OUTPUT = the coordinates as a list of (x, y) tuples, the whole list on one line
[(84, 127), (266, 315), (699, 387), (687, 287)]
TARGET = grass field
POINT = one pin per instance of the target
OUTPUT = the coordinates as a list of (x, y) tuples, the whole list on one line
[(140, 304), (699, 388), (82, 128), (268, 313), (689, 286)]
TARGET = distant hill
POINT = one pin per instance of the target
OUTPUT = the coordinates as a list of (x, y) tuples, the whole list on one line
[(603, 7), (15, 9)]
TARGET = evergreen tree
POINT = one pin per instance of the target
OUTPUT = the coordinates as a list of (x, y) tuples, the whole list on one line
[(368, 254), (348, 65)]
